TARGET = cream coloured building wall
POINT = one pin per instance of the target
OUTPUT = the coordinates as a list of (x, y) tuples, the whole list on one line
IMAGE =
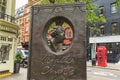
[(9, 63), (10, 10), (8, 30)]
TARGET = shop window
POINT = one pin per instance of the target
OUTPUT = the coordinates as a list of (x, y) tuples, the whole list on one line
[(118, 47), (114, 29), (109, 48), (113, 8), (4, 52)]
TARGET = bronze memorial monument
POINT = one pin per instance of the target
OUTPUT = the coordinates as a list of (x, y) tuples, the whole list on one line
[(57, 43)]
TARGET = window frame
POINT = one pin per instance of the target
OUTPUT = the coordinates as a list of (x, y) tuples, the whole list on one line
[(3, 6), (102, 29), (113, 8), (114, 24), (101, 10)]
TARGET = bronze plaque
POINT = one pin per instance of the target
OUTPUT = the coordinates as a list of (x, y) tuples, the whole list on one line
[(57, 43)]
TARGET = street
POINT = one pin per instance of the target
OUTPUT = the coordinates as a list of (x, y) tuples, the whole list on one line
[(102, 74), (22, 75), (92, 74)]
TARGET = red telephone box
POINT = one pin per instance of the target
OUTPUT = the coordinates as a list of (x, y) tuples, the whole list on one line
[(101, 56)]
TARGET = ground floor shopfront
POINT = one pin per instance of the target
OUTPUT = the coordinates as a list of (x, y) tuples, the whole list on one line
[(112, 44), (8, 45)]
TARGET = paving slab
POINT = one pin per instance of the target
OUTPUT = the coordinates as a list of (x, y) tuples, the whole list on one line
[(22, 75)]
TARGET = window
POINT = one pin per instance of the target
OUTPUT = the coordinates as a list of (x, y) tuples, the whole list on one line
[(27, 28), (109, 48), (102, 30), (27, 10), (101, 10), (113, 8), (114, 29), (10, 39), (27, 19), (5, 51), (3, 38), (118, 47), (20, 21), (3, 5)]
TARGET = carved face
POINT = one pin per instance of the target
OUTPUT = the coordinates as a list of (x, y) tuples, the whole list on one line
[(59, 35)]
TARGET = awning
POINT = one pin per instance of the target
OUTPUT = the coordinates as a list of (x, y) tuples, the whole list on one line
[(104, 39)]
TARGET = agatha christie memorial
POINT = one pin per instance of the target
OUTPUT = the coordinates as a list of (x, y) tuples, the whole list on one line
[(57, 43)]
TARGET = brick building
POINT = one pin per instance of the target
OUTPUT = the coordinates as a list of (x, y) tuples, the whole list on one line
[(23, 20)]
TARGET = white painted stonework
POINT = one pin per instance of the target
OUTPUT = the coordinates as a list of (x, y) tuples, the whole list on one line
[(104, 39)]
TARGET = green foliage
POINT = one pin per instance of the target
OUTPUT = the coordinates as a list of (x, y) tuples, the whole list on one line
[(56, 1), (51, 26), (18, 57), (118, 3), (91, 17), (45, 2), (63, 1)]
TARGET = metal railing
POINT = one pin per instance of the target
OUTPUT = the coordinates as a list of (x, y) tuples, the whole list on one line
[(6, 17)]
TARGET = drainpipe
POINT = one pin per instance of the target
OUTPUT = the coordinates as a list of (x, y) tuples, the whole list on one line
[(93, 54)]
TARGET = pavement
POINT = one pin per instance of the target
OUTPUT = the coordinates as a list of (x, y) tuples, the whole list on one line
[(111, 66), (22, 75)]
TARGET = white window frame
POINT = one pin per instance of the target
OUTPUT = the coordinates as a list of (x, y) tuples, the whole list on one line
[(113, 8)]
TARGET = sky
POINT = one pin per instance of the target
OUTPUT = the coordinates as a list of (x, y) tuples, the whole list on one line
[(20, 3)]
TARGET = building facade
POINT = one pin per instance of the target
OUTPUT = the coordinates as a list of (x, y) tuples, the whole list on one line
[(8, 36), (23, 20), (109, 34)]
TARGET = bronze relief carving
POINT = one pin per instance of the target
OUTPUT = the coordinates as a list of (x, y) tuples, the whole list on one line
[(58, 35), (57, 46)]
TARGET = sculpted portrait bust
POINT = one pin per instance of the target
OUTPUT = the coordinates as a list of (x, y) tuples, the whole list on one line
[(57, 35)]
